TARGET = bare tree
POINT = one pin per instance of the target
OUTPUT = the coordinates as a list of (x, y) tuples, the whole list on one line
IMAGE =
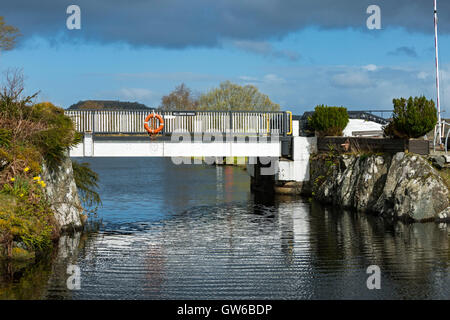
[(13, 84), (179, 99), (12, 100)]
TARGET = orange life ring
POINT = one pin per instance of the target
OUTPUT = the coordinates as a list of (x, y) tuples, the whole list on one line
[(161, 123)]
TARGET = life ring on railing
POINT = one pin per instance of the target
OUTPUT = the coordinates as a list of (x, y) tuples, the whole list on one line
[(161, 123)]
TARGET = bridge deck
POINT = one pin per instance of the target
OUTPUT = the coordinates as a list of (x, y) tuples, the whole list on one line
[(145, 147)]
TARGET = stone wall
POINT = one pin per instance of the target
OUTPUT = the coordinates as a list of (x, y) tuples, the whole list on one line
[(403, 186), (63, 195)]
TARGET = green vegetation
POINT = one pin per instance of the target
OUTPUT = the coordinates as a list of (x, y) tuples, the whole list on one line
[(412, 118), (86, 181), (25, 217), (53, 142), (228, 97), (30, 134), (328, 121), (107, 105), (8, 36)]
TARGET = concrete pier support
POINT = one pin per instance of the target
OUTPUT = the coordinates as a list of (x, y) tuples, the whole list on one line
[(291, 176), (262, 176), (88, 144)]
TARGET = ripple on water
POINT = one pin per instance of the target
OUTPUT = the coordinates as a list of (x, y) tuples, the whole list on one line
[(202, 235)]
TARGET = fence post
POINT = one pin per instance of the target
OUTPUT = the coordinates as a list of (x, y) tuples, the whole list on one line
[(92, 121)]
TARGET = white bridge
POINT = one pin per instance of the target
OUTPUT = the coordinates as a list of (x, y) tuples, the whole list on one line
[(185, 134), (260, 139), (269, 142)]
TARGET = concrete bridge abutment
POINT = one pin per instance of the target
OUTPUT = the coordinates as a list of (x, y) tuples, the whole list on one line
[(285, 175)]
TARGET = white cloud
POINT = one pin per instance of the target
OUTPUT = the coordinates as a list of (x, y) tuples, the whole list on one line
[(353, 87), (168, 76), (351, 80), (422, 75), (270, 78), (444, 74), (273, 78), (136, 93), (370, 67), (248, 79), (300, 88)]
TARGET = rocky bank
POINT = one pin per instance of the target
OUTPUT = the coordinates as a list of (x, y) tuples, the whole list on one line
[(403, 186), (63, 196)]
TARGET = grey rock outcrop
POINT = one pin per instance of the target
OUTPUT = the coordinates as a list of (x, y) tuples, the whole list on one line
[(444, 215), (438, 161), (62, 194), (401, 186)]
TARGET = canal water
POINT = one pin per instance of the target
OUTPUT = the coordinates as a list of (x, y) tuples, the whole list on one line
[(197, 232)]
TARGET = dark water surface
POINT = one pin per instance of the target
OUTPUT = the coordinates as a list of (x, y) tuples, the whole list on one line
[(196, 232)]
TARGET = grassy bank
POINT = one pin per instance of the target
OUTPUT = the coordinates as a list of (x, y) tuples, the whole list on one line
[(30, 134)]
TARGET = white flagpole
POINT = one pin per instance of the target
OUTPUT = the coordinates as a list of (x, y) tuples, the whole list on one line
[(437, 71)]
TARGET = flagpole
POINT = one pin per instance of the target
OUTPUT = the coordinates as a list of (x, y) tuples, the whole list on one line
[(437, 70)]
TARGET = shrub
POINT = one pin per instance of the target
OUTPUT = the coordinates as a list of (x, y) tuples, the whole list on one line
[(328, 121), (86, 180), (5, 137), (58, 136), (412, 118)]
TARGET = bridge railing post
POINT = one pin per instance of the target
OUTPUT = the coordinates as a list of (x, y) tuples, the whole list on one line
[(93, 121)]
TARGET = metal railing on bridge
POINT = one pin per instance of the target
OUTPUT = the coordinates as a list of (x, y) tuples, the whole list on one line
[(132, 121)]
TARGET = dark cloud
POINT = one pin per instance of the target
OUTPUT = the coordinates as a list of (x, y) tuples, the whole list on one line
[(184, 23), (407, 51)]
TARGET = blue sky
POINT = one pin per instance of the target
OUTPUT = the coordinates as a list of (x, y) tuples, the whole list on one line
[(298, 60)]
